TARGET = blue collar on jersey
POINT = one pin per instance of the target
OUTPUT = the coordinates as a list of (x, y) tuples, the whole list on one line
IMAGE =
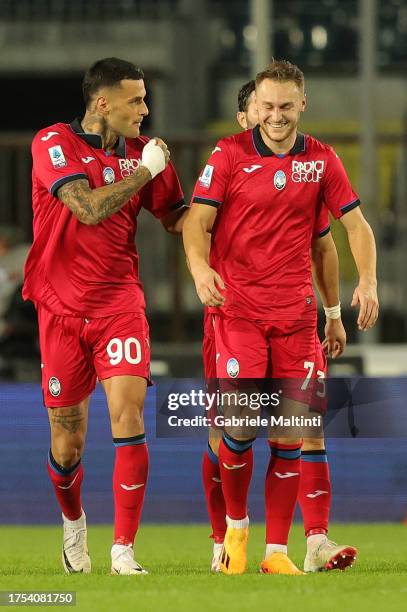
[(95, 140), (263, 150)]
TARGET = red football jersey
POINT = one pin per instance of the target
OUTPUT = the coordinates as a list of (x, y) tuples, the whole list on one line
[(269, 209), (89, 270)]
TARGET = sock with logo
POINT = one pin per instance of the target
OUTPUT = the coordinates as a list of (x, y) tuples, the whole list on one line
[(67, 485), (236, 467), (129, 484), (215, 501), (315, 492), (281, 490)]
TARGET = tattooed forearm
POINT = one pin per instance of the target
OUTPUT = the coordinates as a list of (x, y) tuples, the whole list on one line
[(71, 421), (91, 206)]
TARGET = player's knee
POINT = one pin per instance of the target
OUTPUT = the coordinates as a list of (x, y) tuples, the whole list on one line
[(127, 417), (68, 454), (313, 444)]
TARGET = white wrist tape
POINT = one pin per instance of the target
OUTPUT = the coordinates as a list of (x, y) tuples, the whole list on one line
[(333, 312), (153, 158)]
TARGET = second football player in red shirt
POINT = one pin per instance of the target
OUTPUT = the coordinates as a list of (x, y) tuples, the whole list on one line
[(259, 196)]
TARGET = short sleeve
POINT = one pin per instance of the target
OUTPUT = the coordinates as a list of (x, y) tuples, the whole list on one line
[(338, 194), (211, 186), (321, 226), (163, 194), (55, 161)]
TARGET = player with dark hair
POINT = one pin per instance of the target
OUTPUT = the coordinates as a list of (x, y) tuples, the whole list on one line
[(260, 196), (90, 180)]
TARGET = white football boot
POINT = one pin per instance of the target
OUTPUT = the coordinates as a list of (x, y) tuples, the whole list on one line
[(123, 562), (75, 555), (217, 550), (328, 555)]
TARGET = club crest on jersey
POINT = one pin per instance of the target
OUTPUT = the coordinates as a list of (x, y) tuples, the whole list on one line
[(57, 157), (307, 172), (206, 177), (54, 386), (128, 166), (233, 367), (280, 180), (108, 176)]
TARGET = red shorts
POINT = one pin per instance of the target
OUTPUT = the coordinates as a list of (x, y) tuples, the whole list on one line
[(263, 350), (208, 346), (75, 352)]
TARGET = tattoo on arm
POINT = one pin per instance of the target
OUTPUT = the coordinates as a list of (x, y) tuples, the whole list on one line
[(91, 206), (70, 420)]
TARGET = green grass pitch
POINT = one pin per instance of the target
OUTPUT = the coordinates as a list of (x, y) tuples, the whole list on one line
[(178, 558)]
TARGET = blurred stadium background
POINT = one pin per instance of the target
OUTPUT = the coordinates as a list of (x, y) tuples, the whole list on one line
[(196, 54)]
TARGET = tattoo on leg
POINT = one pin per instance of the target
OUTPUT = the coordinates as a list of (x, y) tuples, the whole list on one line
[(69, 420)]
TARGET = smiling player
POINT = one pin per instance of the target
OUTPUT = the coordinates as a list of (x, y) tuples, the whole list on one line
[(260, 195)]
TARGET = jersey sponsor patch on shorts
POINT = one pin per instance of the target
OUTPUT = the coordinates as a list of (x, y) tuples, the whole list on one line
[(233, 367), (54, 386)]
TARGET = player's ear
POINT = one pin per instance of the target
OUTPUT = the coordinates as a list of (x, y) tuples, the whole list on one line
[(241, 119), (102, 105), (304, 102)]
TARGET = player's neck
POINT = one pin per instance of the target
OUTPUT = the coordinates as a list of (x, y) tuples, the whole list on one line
[(279, 147), (94, 124)]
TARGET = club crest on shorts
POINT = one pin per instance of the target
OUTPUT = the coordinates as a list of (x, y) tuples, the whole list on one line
[(280, 180), (232, 367), (54, 386), (108, 176)]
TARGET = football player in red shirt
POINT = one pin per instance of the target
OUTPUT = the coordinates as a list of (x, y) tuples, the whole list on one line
[(259, 196), (90, 180), (314, 493)]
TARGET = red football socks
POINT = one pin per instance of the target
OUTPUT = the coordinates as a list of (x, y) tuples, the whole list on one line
[(215, 501), (67, 485), (281, 491), (236, 467), (315, 491), (129, 484)]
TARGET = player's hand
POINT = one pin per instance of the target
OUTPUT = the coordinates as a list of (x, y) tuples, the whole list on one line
[(365, 295), (208, 284), (155, 156), (335, 338)]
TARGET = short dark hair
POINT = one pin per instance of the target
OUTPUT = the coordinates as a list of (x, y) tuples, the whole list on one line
[(108, 72), (283, 71), (244, 94)]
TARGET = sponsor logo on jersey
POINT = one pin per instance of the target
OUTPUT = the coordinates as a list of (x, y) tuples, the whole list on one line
[(233, 367), (252, 168), (57, 156), (87, 160), (108, 175), (280, 180), (206, 177), (128, 166), (49, 135), (54, 386), (216, 149), (307, 172)]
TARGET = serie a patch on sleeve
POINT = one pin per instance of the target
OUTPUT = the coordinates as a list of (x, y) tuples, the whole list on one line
[(57, 156), (206, 177)]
